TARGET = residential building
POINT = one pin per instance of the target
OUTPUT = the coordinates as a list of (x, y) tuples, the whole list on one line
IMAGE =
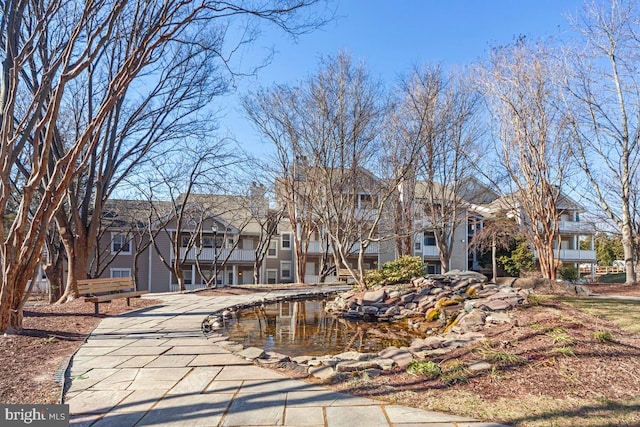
[(216, 238)]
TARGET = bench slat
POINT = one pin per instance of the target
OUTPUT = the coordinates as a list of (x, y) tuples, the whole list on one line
[(109, 297)]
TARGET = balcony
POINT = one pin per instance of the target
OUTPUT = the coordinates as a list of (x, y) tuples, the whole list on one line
[(577, 227), (209, 254), (574, 255), (315, 247), (430, 251), (577, 255)]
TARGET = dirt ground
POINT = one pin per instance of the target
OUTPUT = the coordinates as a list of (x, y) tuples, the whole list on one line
[(556, 366)]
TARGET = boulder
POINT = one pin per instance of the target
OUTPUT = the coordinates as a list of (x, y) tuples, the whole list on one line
[(373, 297), (402, 357)]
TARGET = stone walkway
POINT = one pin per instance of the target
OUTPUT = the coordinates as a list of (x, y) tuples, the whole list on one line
[(154, 367)]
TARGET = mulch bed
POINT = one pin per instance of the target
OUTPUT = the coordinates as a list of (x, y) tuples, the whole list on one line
[(52, 333)]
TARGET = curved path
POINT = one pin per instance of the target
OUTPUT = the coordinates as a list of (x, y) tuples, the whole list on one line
[(154, 367)]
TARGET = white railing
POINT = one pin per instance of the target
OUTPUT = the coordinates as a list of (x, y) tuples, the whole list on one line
[(430, 251), (577, 255), (313, 279), (209, 254), (577, 227), (315, 247)]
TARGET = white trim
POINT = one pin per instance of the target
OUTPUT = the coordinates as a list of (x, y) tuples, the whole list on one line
[(266, 275), (127, 240), (275, 246), (282, 276), (114, 269), (282, 247)]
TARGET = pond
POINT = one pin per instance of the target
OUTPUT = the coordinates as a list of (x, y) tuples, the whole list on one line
[(297, 328)]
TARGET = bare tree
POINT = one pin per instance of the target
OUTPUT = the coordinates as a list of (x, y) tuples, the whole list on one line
[(440, 117), (180, 177), (534, 146), (604, 100), (40, 64), (270, 113), (326, 132)]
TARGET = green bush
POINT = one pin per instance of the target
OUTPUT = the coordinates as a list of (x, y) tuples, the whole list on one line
[(400, 270), (519, 260), (569, 274)]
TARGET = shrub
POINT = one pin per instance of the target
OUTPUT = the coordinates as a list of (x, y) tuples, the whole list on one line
[(569, 274), (397, 271), (519, 260)]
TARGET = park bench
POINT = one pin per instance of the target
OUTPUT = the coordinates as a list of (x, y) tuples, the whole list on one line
[(99, 291), (344, 275)]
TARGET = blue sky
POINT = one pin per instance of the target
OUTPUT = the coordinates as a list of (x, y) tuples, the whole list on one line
[(391, 36)]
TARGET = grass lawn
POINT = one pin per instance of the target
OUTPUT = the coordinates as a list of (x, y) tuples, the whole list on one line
[(625, 313)]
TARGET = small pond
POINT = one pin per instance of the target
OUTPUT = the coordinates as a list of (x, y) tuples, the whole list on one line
[(297, 328)]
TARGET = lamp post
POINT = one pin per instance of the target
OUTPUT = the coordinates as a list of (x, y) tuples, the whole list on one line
[(214, 229)]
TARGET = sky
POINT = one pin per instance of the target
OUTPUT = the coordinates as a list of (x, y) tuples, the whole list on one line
[(391, 37)]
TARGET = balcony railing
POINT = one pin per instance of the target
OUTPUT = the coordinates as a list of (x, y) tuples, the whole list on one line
[(577, 255), (313, 279), (315, 247), (209, 254), (430, 251), (577, 227)]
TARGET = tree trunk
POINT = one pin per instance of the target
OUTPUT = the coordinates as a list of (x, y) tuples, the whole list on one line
[(54, 272), (494, 261), (627, 246)]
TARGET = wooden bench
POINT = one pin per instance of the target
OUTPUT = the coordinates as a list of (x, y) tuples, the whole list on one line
[(105, 290), (343, 274)]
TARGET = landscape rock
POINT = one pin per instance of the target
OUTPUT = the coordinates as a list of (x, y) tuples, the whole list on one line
[(251, 353), (478, 367), (402, 357), (323, 372)]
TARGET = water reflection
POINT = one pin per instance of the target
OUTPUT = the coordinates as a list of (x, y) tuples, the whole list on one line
[(303, 328)]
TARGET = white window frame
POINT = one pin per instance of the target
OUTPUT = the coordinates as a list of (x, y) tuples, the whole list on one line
[(188, 279), (272, 245), (282, 269), (283, 241), (119, 272), (126, 241), (266, 275)]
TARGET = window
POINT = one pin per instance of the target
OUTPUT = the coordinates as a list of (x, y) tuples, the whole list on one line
[(272, 252), (185, 241), (120, 244), (429, 240), (230, 242), (285, 269), (365, 201), (286, 241), (116, 273), (272, 277), (433, 269), (207, 242), (186, 275), (417, 246)]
